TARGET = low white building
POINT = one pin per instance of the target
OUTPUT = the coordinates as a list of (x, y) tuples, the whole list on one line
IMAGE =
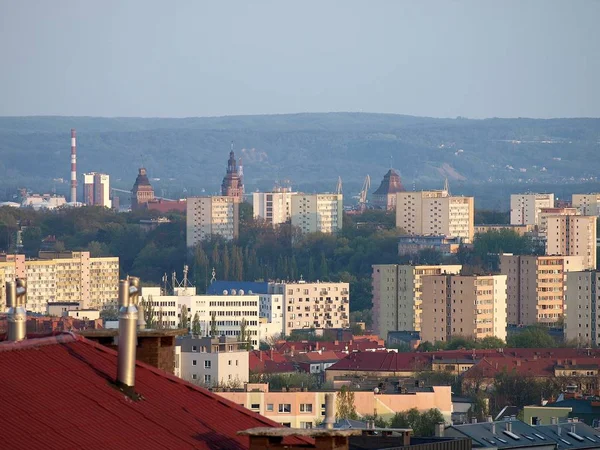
[(212, 361)]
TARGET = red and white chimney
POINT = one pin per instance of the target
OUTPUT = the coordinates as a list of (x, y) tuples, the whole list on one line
[(73, 166)]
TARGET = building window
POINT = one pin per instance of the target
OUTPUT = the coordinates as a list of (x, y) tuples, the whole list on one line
[(255, 406), (194, 348), (194, 376), (207, 364), (307, 425), (207, 378), (270, 407), (306, 407), (194, 362), (285, 408)]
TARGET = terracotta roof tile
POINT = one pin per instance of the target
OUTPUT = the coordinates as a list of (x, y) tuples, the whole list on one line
[(59, 394)]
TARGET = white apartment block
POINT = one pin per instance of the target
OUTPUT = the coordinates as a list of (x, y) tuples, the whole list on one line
[(271, 313), (397, 295), (313, 213), (536, 287), (208, 216), (582, 300), (64, 277), (314, 305), (435, 213), (467, 306), (229, 309), (573, 236), (210, 362), (588, 204), (525, 208), (273, 207)]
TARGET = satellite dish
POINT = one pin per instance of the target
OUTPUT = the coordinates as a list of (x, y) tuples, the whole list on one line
[(241, 292)]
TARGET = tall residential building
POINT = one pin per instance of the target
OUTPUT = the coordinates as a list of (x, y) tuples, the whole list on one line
[(273, 207), (525, 208), (385, 196), (536, 286), (232, 185), (142, 191), (573, 236), (435, 213), (397, 295), (64, 277), (588, 204), (582, 300), (208, 216), (313, 213), (313, 305), (548, 212), (96, 189), (469, 306), (212, 361)]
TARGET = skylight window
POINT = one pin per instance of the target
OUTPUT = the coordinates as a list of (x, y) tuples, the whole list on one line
[(565, 441), (539, 436), (504, 441), (528, 437), (511, 434), (590, 439), (575, 436)]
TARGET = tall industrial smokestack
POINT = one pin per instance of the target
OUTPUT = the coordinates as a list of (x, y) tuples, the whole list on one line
[(73, 165)]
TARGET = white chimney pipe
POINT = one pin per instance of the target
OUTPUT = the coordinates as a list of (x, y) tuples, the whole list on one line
[(329, 411), (129, 291), (16, 298)]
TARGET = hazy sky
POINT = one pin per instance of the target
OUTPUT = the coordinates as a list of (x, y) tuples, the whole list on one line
[(205, 58)]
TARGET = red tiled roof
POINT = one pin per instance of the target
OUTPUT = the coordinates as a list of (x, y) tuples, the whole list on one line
[(269, 362), (382, 362), (57, 392), (328, 355)]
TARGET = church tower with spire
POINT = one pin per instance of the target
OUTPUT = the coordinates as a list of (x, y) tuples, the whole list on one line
[(232, 185)]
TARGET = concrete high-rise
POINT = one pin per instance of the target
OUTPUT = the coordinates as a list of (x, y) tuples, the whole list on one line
[(468, 306), (547, 212), (573, 236), (96, 189), (582, 303), (64, 277), (208, 216), (273, 207), (525, 208), (313, 213), (397, 295), (536, 286), (588, 204), (436, 213)]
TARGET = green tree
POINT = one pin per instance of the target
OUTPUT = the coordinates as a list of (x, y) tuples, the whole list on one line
[(422, 424), (244, 336), (148, 312), (534, 336), (213, 324), (345, 408), (196, 330), (491, 342), (184, 320), (32, 240)]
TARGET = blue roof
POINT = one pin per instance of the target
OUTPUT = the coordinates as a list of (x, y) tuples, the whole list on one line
[(217, 287)]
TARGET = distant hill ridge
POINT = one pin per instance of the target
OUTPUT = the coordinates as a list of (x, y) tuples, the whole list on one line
[(309, 149)]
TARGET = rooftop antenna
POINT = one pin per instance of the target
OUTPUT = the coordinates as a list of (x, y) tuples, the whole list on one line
[(213, 273), (185, 274), (391, 161), (447, 186), (338, 188), (165, 280)]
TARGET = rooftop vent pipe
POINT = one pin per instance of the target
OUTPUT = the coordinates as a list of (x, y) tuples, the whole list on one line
[(16, 298), (329, 411), (129, 291)]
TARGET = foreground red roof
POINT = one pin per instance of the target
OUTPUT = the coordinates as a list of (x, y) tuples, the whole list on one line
[(58, 392)]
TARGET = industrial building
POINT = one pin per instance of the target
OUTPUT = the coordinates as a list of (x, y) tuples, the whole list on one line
[(96, 189)]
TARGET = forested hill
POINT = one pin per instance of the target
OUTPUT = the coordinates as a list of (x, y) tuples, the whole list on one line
[(311, 150)]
